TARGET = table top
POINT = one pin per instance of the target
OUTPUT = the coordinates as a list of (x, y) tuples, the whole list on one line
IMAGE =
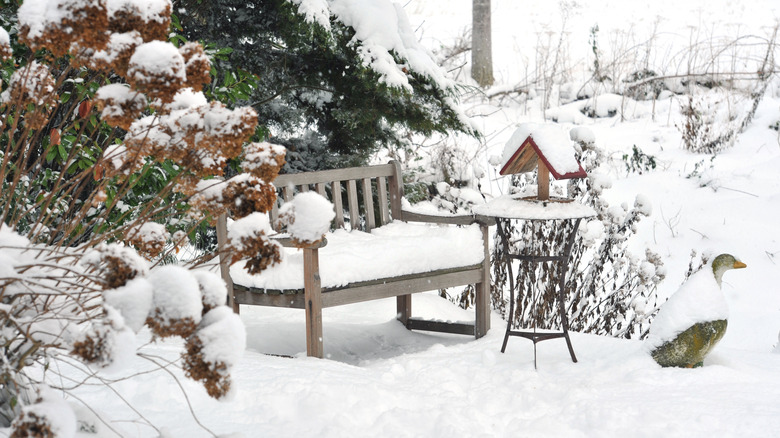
[(514, 207)]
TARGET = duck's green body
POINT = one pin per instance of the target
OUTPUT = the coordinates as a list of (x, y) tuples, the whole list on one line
[(690, 347)]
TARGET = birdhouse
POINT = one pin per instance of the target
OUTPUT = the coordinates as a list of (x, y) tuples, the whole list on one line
[(546, 148)]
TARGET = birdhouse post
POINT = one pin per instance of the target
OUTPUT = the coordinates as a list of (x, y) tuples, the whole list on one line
[(546, 148)]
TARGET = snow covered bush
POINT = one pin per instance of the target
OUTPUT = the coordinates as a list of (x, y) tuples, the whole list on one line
[(77, 279)]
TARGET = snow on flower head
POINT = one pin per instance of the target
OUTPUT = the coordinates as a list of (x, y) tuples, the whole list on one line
[(248, 238), (108, 342), (197, 65), (119, 106), (32, 84), (157, 69), (177, 305), (307, 217), (186, 98), (214, 349), (263, 160), (212, 289), (5, 45), (133, 301), (57, 24), (116, 264), (149, 239), (150, 17), (49, 416), (115, 56)]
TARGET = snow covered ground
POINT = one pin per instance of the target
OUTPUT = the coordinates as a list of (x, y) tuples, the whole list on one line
[(382, 380)]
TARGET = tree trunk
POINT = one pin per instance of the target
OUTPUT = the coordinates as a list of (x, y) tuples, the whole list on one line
[(481, 46)]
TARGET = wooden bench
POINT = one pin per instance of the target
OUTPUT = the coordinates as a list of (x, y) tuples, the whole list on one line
[(373, 199)]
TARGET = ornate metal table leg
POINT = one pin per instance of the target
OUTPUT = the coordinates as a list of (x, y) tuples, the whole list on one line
[(505, 243), (564, 265)]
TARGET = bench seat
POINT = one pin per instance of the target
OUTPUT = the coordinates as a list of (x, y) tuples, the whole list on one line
[(393, 250)]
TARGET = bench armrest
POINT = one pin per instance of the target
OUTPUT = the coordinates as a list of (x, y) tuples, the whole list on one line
[(455, 220), (287, 242)]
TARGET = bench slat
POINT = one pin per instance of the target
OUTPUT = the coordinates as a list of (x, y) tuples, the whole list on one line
[(354, 208), (368, 203), (384, 213), (338, 205)]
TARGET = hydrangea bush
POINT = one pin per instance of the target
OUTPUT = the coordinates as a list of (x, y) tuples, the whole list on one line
[(73, 280)]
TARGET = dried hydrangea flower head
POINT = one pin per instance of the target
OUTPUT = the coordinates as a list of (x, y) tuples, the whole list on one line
[(263, 160), (150, 17), (32, 85), (119, 106), (149, 239), (114, 57), (197, 65), (56, 24), (157, 69)]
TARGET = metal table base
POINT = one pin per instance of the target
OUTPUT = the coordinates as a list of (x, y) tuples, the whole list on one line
[(562, 261)]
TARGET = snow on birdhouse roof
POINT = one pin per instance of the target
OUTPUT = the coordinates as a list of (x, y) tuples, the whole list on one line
[(551, 143)]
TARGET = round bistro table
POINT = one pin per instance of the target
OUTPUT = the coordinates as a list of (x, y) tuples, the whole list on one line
[(506, 208)]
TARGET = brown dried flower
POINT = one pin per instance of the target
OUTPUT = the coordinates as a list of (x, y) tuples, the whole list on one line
[(263, 160), (151, 19), (197, 65), (214, 376), (157, 69)]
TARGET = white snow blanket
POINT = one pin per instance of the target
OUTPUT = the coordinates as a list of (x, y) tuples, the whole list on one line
[(398, 248)]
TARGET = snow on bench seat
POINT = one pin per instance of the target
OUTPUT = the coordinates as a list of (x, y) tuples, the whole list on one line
[(396, 249)]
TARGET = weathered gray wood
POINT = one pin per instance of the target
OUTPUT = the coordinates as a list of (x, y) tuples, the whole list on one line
[(482, 290), (368, 203), (338, 205), (287, 193), (543, 181), (249, 296), (224, 260), (274, 214), (458, 328), (313, 300), (396, 191), (456, 220), (288, 242), (304, 188), (384, 211), (403, 308), (321, 190), (325, 176), (354, 208), (393, 287)]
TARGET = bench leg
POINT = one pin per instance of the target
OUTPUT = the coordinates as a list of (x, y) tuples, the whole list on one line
[(482, 305), (313, 298), (404, 308)]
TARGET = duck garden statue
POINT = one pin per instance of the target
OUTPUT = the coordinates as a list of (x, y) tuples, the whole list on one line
[(694, 319)]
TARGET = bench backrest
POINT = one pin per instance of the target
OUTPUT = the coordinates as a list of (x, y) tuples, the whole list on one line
[(373, 193)]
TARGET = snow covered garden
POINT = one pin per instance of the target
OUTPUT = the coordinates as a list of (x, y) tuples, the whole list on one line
[(118, 153)]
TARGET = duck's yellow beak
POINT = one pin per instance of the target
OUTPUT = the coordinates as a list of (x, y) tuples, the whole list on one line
[(739, 265)]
